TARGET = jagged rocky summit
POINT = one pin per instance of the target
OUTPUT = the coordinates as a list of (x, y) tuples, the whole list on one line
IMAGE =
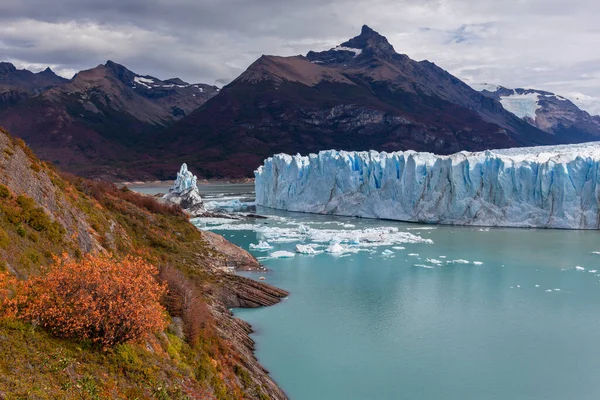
[(542, 187), (184, 193)]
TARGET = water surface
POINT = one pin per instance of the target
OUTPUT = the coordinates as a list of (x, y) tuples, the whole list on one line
[(521, 320)]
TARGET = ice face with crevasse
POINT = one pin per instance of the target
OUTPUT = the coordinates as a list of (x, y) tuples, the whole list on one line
[(548, 186), (185, 193), (185, 181)]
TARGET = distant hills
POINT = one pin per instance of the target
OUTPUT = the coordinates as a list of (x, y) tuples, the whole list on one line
[(554, 114), (359, 95), (101, 122)]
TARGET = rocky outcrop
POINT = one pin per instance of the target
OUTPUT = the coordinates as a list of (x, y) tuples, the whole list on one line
[(236, 291), (234, 256)]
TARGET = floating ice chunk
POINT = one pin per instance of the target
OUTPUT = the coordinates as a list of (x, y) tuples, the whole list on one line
[(335, 248), (477, 262), (413, 255), (309, 249), (399, 248), (434, 261), (387, 253), (261, 246), (442, 257), (595, 252), (282, 254), (557, 290), (234, 204), (459, 261), (592, 271), (537, 285), (424, 266), (548, 290), (578, 268)]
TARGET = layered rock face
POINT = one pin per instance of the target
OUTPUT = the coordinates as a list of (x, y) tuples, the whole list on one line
[(184, 193), (547, 187)]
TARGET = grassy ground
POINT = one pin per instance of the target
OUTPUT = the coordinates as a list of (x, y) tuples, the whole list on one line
[(174, 364)]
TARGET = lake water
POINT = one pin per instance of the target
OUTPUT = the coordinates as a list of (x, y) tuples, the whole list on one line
[(425, 312)]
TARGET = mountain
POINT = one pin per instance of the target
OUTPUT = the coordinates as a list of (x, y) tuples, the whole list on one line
[(17, 85), (99, 122), (547, 111), (359, 95)]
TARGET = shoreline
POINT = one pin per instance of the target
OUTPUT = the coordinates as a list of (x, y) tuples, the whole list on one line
[(220, 181)]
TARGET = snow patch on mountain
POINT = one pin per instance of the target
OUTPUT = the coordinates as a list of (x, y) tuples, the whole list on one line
[(484, 86), (522, 105), (144, 81), (551, 187), (356, 52)]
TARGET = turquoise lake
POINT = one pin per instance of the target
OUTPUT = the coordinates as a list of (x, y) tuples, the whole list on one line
[(423, 312), (523, 323)]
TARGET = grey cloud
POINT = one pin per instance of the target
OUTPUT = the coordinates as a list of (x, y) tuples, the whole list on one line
[(509, 42)]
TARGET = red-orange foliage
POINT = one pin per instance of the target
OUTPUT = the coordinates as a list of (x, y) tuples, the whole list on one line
[(184, 300), (98, 298)]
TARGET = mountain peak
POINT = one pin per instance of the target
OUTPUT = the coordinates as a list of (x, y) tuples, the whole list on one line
[(6, 67), (370, 40)]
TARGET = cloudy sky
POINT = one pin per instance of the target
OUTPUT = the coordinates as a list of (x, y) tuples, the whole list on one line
[(547, 44)]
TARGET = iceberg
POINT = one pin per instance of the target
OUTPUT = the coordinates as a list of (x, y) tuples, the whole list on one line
[(185, 193), (310, 249), (261, 246), (546, 187)]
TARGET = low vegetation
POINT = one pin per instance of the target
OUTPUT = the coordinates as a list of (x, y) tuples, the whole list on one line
[(90, 325)]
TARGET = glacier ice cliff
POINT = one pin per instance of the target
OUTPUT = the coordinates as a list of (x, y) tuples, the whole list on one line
[(184, 193), (549, 187)]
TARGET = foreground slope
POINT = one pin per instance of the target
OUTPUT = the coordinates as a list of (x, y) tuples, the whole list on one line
[(546, 187), (360, 95), (205, 353)]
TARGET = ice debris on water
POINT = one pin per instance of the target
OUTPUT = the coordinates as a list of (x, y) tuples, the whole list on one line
[(282, 254)]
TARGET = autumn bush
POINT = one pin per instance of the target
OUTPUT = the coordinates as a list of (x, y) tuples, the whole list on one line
[(99, 298), (184, 300), (103, 190)]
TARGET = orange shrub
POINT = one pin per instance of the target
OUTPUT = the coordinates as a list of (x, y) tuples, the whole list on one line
[(99, 298)]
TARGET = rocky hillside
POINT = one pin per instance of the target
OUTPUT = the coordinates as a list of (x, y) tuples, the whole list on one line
[(547, 111), (97, 122), (359, 95), (205, 353)]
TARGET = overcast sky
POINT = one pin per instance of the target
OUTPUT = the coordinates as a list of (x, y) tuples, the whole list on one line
[(546, 44)]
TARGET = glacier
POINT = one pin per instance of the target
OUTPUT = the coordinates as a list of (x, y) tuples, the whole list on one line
[(535, 187)]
